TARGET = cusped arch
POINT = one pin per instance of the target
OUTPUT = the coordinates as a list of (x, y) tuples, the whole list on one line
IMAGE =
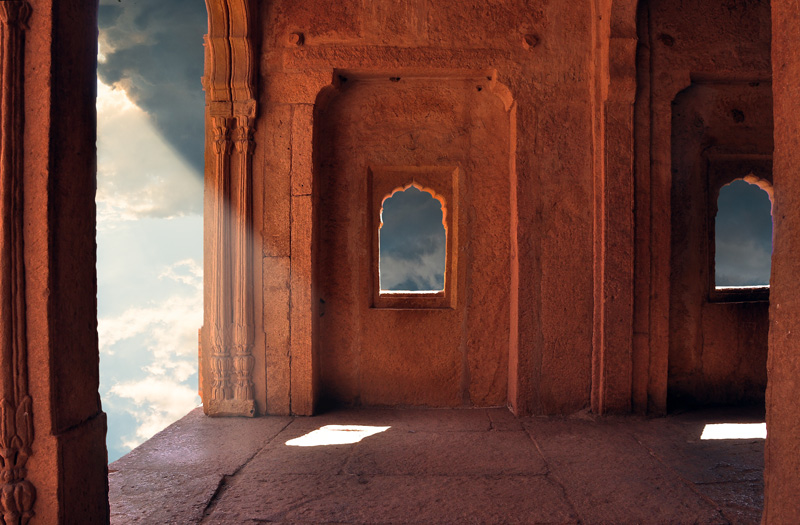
[(403, 231), (750, 234), (755, 180), (422, 188), (752, 179)]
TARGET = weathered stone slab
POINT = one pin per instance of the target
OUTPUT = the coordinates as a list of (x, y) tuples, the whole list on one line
[(174, 475), (437, 466), (610, 478)]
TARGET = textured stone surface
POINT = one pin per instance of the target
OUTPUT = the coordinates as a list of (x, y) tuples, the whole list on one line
[(55, 290), (592, 275), (782, 482), (443, 466), (455, 100), (186, 462)]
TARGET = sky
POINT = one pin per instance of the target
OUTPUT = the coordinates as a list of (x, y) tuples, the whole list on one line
[(412, 242), (149, 213), (743, 231)]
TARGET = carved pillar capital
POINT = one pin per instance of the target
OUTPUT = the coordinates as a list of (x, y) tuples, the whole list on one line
[(221, 136), (243, 135)]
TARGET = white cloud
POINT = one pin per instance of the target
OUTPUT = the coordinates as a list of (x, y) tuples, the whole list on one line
[(742, 262), (186, 271), (167, 333), (169, 327), (158, 402), (138, 173), (424, 270), (153, 49)]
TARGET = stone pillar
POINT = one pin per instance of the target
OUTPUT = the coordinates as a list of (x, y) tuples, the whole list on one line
[(304, 369), (782, 454), (227, 349), (52, 429)]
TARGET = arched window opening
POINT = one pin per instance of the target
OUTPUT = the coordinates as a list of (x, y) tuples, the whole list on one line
[(743, 235), (412, 243)]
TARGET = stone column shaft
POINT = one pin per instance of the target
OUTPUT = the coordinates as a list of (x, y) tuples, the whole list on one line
[(17, 494)]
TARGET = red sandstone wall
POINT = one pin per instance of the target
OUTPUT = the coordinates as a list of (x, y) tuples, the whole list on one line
[(543, 55), (704, 42)]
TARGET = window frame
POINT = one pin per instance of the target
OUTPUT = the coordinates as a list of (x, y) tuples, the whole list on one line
[(722, 170), (442, 183)]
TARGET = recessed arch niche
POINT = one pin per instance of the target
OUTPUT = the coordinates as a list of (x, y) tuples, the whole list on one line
[(450, 133), (718, 339)]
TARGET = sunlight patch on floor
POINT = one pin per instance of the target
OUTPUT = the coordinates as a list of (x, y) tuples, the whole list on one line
[(335, 435), (735, 431)]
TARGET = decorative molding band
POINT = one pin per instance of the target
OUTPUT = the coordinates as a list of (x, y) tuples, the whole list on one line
[(229, 81), (17, 494)]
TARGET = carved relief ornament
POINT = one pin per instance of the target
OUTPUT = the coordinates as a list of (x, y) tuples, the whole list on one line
[(17, 494)]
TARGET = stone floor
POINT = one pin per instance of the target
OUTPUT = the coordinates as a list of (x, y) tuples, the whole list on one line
[(440, 466)]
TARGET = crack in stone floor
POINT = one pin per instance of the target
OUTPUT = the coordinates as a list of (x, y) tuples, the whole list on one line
[(441, 466)]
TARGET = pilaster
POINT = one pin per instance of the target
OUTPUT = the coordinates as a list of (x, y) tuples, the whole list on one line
[(229, 312), (17, 493)]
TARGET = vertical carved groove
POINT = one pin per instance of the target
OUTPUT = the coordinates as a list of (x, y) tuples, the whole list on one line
[(220, 336), (17, 494), (242, 289), (217, 83)]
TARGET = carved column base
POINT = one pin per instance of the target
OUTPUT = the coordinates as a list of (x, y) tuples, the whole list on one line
[(17, 502), (231, 407)]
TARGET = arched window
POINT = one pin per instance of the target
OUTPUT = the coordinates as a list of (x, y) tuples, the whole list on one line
[(743, 236), (412, 243)]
